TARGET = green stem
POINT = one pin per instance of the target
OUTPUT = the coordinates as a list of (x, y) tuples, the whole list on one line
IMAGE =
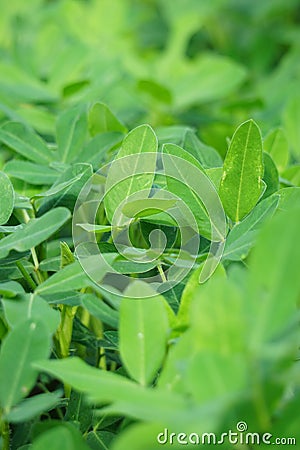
[(33, 252), (64, 333), (162, 273), (4, 430), (36, 265), (259, 401), (26, 275), (63, 337)]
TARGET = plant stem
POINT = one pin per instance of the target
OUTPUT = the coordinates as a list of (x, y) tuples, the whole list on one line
[(4, 432), (33, 252), (64, 332), (259, 401), (162, 273), (63, 336), (36, 265), (26, 275)]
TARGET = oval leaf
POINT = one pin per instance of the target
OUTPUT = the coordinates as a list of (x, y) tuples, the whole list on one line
[(33, 406), (34, 232), (271, 176), (97, 308), (25, 344), (240, 186), (7, 197), (26, 142), (30, 172), (71, 131), (61, 436), (274, 277), (102, 120), (133, 169), (291, 118), (277, 145), (30, 306), (143, 332), (74, 277)]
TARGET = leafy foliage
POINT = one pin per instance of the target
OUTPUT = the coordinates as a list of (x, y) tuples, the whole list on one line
[(153, 146)]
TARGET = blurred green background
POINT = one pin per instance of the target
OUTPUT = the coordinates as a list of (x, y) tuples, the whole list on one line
[(209, 64)]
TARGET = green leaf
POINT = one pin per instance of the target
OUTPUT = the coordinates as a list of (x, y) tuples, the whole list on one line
[(210, 340), (191, 289), (97, 308), (41, 120), (7, 198), (277, 145), (74, 277), (66, 255), (57, 188), (11, 228), (71, 131), (124, 265), (205, 381), (187, 180), (174, 134), (106, 387), (157, 91), (27, 342), (33, 406), (289, 199), (206, 155), (102, 120), (97, 149), (215, 175), (291, 118), (147, 207), (61, 436), (22, 202), (67, 187), (143, 332), (24, 141), (240, 186), (11, 289), (100, 440), (133, 169), (30, 306), (162, 219), (66, 279), (271, 176), (141, 432), (179, 184), (274, 266), (204, 72), (176, 150), (34, 232), (70, 298), (292, 174), (94, 228), (79, 411), (9, 270), (243, 235), (30, 172)]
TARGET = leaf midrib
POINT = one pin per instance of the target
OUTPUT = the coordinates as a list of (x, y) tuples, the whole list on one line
[(43, 158), (242, 173), (15, 244)]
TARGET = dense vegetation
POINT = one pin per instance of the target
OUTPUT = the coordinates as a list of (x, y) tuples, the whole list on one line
[(149, 223)]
